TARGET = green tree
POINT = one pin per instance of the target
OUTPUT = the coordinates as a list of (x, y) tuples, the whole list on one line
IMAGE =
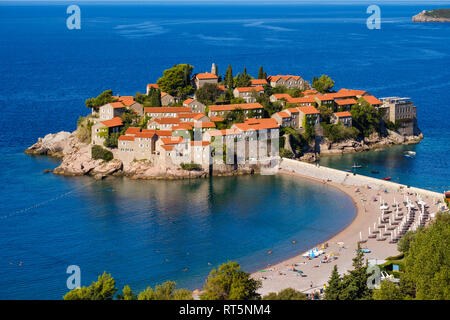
[(388, 291), (97, 152), (405, 242), (127, 294), (261, 73), (111, 140), (229, 282), (334, 287), (208, 93), (103, 289), (242, 79), (427, 262), (285, 294), (354, 284), (176, 81), (309, 132), (102, 99), (165, 291), (285, 153), (229, 77), (365, 118), (323, 84)]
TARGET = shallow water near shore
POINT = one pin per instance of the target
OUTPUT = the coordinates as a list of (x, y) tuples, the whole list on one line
[(146, 232)]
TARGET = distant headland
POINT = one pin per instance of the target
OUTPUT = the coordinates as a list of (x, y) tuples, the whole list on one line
[(438, 15)]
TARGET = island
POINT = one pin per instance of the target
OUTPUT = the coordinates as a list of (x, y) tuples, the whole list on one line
[(195, 125), (437, 15)]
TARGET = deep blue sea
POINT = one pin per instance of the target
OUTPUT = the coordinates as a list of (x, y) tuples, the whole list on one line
[(148, 232)]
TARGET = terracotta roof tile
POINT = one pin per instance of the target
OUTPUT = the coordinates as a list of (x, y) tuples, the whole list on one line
[(114, 122)]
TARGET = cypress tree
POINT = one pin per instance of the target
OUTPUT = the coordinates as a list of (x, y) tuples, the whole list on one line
[(334, 285), (229, 77), (261, 73)]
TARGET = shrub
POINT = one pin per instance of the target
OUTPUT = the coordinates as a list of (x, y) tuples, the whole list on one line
[(286, 294), (285, 153), (97, 152), (111, 140), (190, 166)]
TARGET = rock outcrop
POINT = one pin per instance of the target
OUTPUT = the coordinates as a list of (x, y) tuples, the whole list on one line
[(56, 145), (374, 141), (440, 15)]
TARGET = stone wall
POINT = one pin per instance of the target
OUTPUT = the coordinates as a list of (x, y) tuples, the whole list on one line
[(347, 178)]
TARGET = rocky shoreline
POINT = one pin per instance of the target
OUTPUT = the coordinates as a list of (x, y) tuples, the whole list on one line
[(77, 161), (429, 16), (374, 142)]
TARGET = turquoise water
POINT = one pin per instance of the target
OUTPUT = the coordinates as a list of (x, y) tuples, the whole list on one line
[(146, 232), (130, 228)]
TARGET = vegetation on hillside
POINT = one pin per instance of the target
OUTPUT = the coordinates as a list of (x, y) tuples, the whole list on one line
[(323, 84), (176, 81), (97, 152), (102, 99)]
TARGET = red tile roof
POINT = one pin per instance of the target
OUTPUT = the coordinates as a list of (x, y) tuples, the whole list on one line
[(200, 143), (344, 102), (114, 122), (117, 105), (182, 126), (145, 134), (205, 76), (126, 100), (285, 77), (167, 110), (249, 89), (127, 138), (222, 88), (204, 125), (308, 110), (187, 101), (309, 91), (283, 114), (167, 148), (191, 115), (325, 97), (153, 85), (224, 132), (166, 120), (307, 99), (285, 96), (229, 107), (347, 93), (343, 114), (132, 130), (216, 119), (257, 124), (372, 100), (172, 140)]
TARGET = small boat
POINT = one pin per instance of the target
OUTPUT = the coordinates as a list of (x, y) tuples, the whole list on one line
[(387, 178), (348, 170), (374, 171), (356, 166), (411, 153)]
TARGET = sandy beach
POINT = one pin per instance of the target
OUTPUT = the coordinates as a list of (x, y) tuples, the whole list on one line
[(340, 249)]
